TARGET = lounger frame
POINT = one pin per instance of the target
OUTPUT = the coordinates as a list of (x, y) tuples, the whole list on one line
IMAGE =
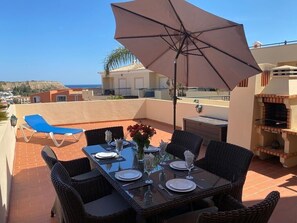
[(57, 143)]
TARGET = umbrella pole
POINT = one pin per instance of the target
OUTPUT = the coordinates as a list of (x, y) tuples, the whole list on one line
[(174, 81), (174, 96)]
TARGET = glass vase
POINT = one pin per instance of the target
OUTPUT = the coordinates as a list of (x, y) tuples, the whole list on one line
[(140, 153)]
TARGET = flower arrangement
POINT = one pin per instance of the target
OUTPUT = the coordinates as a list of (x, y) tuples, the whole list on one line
[(141, 135)]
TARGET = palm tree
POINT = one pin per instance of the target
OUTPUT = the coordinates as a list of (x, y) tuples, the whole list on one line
[(118, 58), (122, 56)]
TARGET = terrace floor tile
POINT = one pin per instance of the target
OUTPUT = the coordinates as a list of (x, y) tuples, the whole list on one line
[(32, 193)]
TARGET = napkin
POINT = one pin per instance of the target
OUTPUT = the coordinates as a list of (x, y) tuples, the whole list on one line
[(189, 157), (163, 145), (108, 136)]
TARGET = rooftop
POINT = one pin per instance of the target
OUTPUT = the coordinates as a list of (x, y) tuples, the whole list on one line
[(32, 193)]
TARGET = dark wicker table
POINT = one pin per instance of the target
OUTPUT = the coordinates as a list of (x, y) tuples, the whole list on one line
[(149, 200)]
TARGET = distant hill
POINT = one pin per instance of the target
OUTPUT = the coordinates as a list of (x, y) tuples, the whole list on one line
[(34, 85)]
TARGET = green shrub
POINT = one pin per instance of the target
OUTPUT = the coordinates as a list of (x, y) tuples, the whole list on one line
[(3, 114)]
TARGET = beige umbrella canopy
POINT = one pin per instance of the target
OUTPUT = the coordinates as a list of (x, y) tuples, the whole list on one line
[(185, 43)]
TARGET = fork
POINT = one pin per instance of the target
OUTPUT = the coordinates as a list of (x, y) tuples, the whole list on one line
[(163, 188)]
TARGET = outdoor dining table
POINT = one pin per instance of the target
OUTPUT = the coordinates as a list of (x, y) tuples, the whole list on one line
[(149, 200)]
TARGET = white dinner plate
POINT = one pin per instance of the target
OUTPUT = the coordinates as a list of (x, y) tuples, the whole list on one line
[(128, 175), (180, 185), (151, 149), (125, 143), (178, 165), (105, 155)]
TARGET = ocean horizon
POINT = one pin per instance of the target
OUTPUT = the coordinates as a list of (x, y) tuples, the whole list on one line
[(83, 85)]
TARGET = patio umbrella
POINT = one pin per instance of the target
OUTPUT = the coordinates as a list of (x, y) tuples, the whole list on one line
[(185, 43)]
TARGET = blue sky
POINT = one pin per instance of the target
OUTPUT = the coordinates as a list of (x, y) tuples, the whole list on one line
[(67, 40)]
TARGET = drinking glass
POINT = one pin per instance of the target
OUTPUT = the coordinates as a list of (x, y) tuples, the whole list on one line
[(162, 153), (190, 166), (148, 168), (119, 145)]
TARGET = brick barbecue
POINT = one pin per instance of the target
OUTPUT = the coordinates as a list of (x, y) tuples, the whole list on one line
[(277, 124)]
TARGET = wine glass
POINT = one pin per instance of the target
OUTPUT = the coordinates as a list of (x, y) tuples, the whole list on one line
[(148, 168), (148, 196), (189, 165)]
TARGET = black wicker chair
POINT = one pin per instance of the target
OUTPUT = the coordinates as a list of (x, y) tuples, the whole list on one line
[(78, 169), (233, 212), (228, 161), (89, 201), (97, 136), (182, 141)]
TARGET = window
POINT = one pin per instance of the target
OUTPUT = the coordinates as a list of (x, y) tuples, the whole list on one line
[(61, 98), (139, 83), (163, 82), (36, 99), (265, 77), (76, 97), (243, 83)]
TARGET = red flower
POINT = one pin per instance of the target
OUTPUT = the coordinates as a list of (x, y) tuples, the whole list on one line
[(141, 134)]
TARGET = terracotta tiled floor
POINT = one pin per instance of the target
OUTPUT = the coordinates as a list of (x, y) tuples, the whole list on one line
[(32, 194)]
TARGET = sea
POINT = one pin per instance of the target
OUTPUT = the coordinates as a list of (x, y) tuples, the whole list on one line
[(83, 86)]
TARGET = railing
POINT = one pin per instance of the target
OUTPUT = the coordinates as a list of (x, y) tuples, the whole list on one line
[(274, 44), (212, 97), (118, 91)]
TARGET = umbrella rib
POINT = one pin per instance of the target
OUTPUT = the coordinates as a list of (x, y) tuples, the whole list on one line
[(177, 16), (170, 39), (173, 47), (146, 36), (142, 16), (224, 52), (215, 29), (216, 71), (210, 64), (193, 54)]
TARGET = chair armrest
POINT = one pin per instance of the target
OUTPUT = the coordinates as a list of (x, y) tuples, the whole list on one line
[(228, 203), (77, 166), (201, 163), (93, 189), (237, 187), (191, 217)]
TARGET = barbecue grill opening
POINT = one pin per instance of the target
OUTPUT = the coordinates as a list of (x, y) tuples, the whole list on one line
[(275, 115)]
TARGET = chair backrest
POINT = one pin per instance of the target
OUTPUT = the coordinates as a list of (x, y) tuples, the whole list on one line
[(49, 156), (97, 136), (227, 160), (36, 122), (258, 213), (69, 198), (182, 141)]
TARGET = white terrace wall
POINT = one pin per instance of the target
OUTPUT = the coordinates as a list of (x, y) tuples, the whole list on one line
[(162, 111), (112, 110), (85, 111), (276, 54), (7, 148)]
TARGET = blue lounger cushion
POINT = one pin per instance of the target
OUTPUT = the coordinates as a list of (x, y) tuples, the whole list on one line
[(37, 124)]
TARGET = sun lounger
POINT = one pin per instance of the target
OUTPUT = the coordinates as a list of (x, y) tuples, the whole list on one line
[(37, 124)]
